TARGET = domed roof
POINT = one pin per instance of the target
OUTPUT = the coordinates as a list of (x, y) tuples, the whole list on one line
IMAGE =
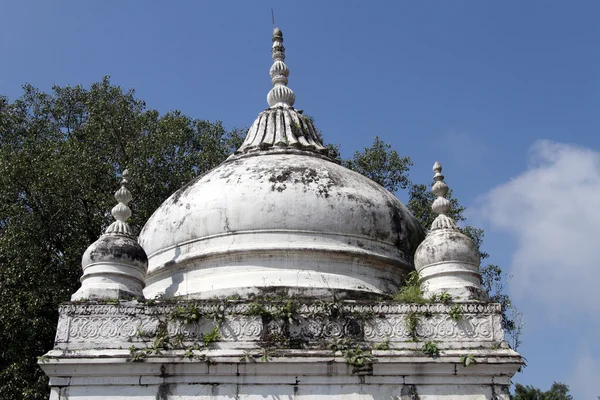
[(114, 266), (115, 248), (279, 216), (448, 260)]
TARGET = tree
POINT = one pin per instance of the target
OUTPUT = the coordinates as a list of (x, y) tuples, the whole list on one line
[(381, 164), (558, 391), (60, 155)]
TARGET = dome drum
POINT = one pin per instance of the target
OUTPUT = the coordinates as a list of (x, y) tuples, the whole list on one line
[(306, 272)]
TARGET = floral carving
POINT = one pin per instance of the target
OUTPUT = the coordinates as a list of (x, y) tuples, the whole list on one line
[(113, 325)]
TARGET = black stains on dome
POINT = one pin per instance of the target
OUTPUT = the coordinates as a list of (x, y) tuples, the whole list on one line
[(110, 247)]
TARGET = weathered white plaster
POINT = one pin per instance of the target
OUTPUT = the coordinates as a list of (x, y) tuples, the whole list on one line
[(288, 221), (91, 357), (447, 260)]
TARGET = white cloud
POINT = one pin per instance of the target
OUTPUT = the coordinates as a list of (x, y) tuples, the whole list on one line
[(552, 210), (584, 382)]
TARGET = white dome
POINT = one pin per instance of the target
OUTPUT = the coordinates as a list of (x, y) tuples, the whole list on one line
[(291, 221), (448, 261), (279, 216)]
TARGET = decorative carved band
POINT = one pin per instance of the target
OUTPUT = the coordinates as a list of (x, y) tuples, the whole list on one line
[(109, 326)]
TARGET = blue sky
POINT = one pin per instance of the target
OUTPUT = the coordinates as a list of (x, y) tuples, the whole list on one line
[(504, 94)]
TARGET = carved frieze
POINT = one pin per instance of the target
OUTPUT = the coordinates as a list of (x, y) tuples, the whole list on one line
[(113, 326)]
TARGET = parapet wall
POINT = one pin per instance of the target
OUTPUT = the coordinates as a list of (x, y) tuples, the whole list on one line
[(272, 349)]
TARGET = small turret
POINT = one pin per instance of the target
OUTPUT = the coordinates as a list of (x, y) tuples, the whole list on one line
[(115, 265), (447, 260)]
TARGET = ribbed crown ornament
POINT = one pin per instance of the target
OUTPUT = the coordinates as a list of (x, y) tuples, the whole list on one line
[(121, 212), (441, 204), (280, 95), (281, 127)]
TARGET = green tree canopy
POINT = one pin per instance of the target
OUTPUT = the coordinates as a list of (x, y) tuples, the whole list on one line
[(558, 391), (61, 155)]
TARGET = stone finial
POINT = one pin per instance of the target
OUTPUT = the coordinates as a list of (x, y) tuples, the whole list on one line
[(280, 95), (441, 204), (121, 212), (115, 265)]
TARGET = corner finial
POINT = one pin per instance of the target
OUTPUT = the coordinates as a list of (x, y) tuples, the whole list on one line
[(121, 212), (280, 95), (441, 204)]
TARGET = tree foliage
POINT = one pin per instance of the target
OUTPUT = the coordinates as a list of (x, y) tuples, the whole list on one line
[(381, 164), (558, 391), (61, 155)]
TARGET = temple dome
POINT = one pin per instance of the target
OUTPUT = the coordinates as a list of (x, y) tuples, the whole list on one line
[(279, 216)]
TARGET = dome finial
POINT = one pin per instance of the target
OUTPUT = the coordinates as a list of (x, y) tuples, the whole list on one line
[(441, 204), (121, 212), (280, 95)]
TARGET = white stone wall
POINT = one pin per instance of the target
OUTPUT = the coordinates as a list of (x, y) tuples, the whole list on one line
[(277, 355)]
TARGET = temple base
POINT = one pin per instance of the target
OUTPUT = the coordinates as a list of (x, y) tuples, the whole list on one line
[(279, 350)]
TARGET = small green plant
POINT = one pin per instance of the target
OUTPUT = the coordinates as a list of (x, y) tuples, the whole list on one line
[(295, 128), (358, 357), (288, 311), (340, 345), (265, 355), (384, 345), (411, 292), (468, 359), (443, 297), (187, 315), (138, 354), (431, 349), (154, 301), (141, 333), (247, 357), (257, 309), (161, 340), (150, 302), (43, 359), (330, 309), (211, 336), (177, 340), (455, 313), (352, 353), (190, 352), (411, 321)]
